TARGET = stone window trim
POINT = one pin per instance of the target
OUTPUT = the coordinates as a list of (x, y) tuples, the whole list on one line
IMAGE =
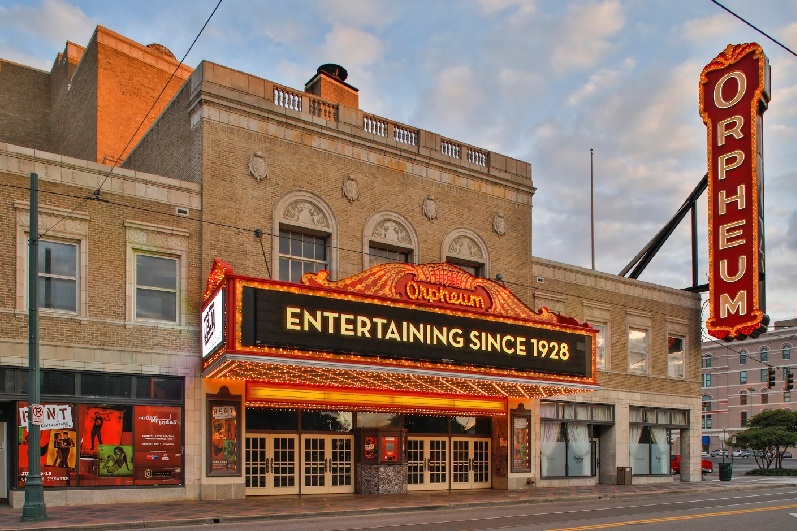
[(555, 302), (684, 352), (304, 211), (465, 246), (64, 226), (390, 229), (158, 240)]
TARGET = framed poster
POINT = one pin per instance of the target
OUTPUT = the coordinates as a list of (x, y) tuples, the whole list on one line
[(521, 442), (224, 435)]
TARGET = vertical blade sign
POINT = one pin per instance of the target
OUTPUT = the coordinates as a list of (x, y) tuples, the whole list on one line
[(734, 93)]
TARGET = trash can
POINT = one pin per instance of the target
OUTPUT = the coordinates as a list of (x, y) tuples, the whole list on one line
[(624, 475), (726, 471)]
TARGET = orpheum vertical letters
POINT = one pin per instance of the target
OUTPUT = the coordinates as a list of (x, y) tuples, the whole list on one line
[(734, 93)]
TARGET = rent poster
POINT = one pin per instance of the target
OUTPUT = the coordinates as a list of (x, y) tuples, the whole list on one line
[(56, 449), (99, 426), (224, 437), (158, 445), (520, 444)]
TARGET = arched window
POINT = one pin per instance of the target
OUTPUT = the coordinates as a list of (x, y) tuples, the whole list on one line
[(743, 397), (764, 354), (786, 348), (742, 357), (304, 235), (464, 248), (389, 237), (706, 403)]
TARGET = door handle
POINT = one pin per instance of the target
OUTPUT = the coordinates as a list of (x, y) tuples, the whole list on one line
[(470, 464), (328, 465), (271, 465), (425, 464)]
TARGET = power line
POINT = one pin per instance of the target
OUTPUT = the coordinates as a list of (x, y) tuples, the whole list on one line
[(96, 194), (755, 28)]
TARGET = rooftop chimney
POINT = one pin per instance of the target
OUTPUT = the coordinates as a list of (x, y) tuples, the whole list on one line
[(329, 83)]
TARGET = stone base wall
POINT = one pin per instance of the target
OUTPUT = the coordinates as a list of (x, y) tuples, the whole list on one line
[(73, 497), (380, 479)]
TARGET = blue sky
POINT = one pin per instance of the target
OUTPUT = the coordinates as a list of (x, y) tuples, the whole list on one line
[(543, 81)]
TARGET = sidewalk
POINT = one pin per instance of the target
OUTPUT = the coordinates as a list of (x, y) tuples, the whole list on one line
[(135, 515)]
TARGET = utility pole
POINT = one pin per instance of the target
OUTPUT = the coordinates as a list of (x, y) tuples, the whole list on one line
[(592, 207), (33, 509)]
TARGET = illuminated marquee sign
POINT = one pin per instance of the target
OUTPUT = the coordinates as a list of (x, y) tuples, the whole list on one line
[(734, 92), (276, 315), (213, 324)]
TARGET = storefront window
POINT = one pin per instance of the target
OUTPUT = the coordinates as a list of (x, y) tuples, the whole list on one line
[(650, 450), (334, 421), (426, 424), (118, 386), (378, 420), (565, 449), (258, 418), (471, 426), (100, 444)]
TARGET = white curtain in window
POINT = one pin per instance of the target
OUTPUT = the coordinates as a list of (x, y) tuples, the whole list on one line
[(552, 450), (578, 449), (659, 451), (639, 451)]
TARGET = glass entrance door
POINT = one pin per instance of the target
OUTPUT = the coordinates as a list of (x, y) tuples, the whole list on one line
[(427, 463), (272, 464), (470, 463), (327, 464)]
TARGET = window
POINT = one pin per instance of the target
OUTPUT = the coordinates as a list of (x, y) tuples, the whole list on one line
[(785, 374), (156, 287), (742, 377), (764, 354), (743, 419), (786, 351), (465, 249), (764, 396), (787, 396), (706, 362), (637, 351), (742, 357), (763, 375), (707, 380), (706, 422), (649, 449), (675, 357), (565, 449), (743, 398), (300, 253), (706, 403), (58, 275), (600, 346), (378, 254)]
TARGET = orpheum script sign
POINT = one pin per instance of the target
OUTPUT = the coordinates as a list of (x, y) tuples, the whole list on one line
[(734, 93)]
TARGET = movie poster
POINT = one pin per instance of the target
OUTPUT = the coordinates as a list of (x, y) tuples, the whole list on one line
[(115, 460), (521, 461), (158, 445), (99, 426), (57, 450), (223, 438)]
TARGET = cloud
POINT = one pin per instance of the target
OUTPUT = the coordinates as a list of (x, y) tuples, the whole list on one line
[(361, 13), (584, 34), (602, 79), (519, 7), (707, 29)]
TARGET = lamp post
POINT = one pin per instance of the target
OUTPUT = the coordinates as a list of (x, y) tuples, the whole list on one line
[(33, 509)]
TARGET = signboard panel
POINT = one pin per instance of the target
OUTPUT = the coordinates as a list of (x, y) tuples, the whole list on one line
[(734, 92), (213, 324), (274, 316)]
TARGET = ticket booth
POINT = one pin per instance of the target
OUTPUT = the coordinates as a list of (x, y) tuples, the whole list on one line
[(380, 461)]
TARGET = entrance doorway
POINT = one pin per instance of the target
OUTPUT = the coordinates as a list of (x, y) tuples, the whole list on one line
[(427, 463), (272, 464), (439, 463), (327, 464), (470, 463)]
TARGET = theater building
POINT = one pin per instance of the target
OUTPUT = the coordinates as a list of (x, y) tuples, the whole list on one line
[(309, 298)]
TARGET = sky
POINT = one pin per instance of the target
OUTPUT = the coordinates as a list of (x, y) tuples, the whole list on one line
[(542, 81)]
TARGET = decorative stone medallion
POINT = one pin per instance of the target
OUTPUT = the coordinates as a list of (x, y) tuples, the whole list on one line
[(257, 166), (499, 224), (351, 190), (430, 208), (305, 213)]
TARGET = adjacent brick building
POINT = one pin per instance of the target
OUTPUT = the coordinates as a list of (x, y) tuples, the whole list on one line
[(277, 182)]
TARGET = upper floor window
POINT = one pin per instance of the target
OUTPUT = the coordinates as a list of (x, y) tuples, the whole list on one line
[(156, 287), (637, 351), (304, 234), (706, 421), (786, 351), (785, 374), (58, 275), (764, 375), (300, 253), (787, 396), (707, 380), (764, 396), (743, 419), (389, 237), (706, 403), (742, 377), (743, 398), (764, 354), (742, 357), (675, 357), (600, 346), (465, 249), (706, 362)]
